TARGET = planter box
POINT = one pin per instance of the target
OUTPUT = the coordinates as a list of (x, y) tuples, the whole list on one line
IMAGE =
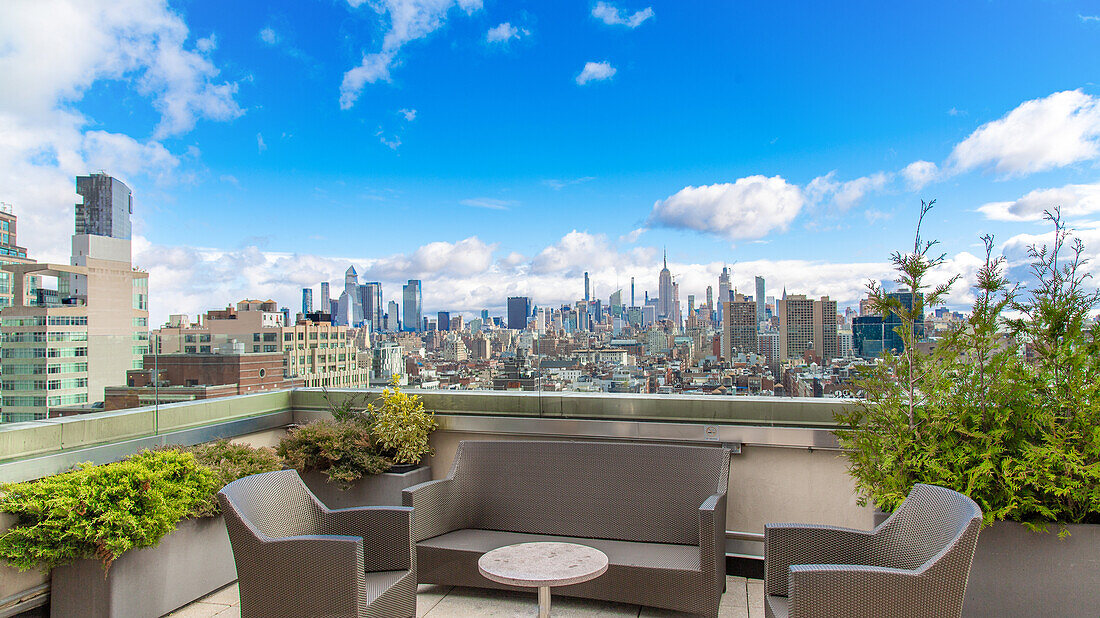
[(191, 562), (1018, 572), (376, 490)]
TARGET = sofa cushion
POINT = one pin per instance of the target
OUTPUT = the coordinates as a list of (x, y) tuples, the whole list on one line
[(619, 553)]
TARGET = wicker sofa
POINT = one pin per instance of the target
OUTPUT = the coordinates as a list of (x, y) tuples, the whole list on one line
[(657, 511)]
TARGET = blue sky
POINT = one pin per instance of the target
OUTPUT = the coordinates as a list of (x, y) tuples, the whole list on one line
[(270, 144)]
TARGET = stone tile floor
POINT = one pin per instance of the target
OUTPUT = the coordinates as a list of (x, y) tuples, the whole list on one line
[(744, 598)]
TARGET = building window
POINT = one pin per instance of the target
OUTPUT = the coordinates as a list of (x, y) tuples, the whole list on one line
[(189, 349), (204, 349), (255, 336)]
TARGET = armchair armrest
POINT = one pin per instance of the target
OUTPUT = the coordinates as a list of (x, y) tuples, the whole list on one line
[(386, 532), (712, 539), (842, 590), (437, 508), (790, 544), (300, 568)]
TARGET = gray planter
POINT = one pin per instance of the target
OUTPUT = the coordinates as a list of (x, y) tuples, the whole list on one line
[(377, 490), (1018, 572), (188, 564)]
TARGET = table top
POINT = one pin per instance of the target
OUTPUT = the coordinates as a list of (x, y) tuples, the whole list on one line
[(542, 564)]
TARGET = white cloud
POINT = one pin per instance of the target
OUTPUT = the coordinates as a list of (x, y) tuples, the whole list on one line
[(230, 178), (1074, 200), (45, 72), (487, 203), (954, 111), (260, 145), (504, 33), (596, 71), (408, 20), (269, 36), (844, 195), (558, 185), (919, 173), (1041, 134), (1088, 18), (393, 143), (409, 114), (614, 16), (751, 207), (633, 236)]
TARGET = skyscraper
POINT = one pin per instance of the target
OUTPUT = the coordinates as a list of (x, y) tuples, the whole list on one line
[(723, 292), (632, 292), (739, 327), (107, 206), (759, 300), (10, 252), (587, 290), (519, 308), (443, 320), (664, 292), (307, 300), (411, 295), (393, 320), (806, 324), (325, 300), (371, 293), (350, 308), (710, 302)]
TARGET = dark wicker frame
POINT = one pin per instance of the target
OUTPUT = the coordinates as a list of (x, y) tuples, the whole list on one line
[(295, 557), (915, 563), (595, 493)]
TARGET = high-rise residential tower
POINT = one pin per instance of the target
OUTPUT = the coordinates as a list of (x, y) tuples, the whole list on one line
[(519, 309), (412, 299), (307, 301), (739, 327), (83, 325), (760, 300), (723, 292), (326, 299), (587, 289), (806, 324), (106, 208)]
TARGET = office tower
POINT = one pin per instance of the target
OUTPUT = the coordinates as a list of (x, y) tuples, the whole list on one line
[(691, 311), (484, 316), (739, 327), (519, 308), (723, 292), (307, 300), (456, 323), (759, 299), (443, 319), (106, 207), (710, 301), (333, 309), (392, 321), (84, 324), (664, 292), (632, 292), (10, 252), (350, 309), (616, 302), (286, 315), (411, 296), (806, 324), (587, 296), (872, 335), (372, 303), (326, 298)]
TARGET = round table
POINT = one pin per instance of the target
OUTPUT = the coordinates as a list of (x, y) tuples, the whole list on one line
[(542, 565)]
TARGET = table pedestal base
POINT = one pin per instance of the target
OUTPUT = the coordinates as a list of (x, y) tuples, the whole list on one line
[(544, 601)]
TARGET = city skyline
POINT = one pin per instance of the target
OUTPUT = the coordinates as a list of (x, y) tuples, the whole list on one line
[(643, 126)]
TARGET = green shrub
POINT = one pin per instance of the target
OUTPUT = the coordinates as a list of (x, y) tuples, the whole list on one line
[(1005, 411), (343, 450), (100, 512), (401, 426), (230, 462)]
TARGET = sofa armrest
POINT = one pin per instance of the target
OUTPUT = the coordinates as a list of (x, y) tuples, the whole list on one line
[(822, 590), (386, 532), (712, 539), (790, 544), (437, 508)]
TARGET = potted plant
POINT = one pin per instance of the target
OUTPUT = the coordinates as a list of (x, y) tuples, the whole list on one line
[(138, 537), (1005, 409), (349, 460)]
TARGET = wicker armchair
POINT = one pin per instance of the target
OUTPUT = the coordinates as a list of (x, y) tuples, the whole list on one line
[(913, 564), (295, 557)]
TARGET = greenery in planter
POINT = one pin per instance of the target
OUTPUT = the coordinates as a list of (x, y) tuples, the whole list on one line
[(100, 512), (343, 450), (1021, 436), (401, 426), (230, 462)]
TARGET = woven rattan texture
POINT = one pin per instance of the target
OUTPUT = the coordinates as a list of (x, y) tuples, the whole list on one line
[(296, 558), (916, 563), (647, 493)]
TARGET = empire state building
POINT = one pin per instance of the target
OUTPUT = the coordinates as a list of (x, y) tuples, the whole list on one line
[(665, 295)]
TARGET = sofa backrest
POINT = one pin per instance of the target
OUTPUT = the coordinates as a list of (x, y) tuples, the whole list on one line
[(277, 504), (624, 491)]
